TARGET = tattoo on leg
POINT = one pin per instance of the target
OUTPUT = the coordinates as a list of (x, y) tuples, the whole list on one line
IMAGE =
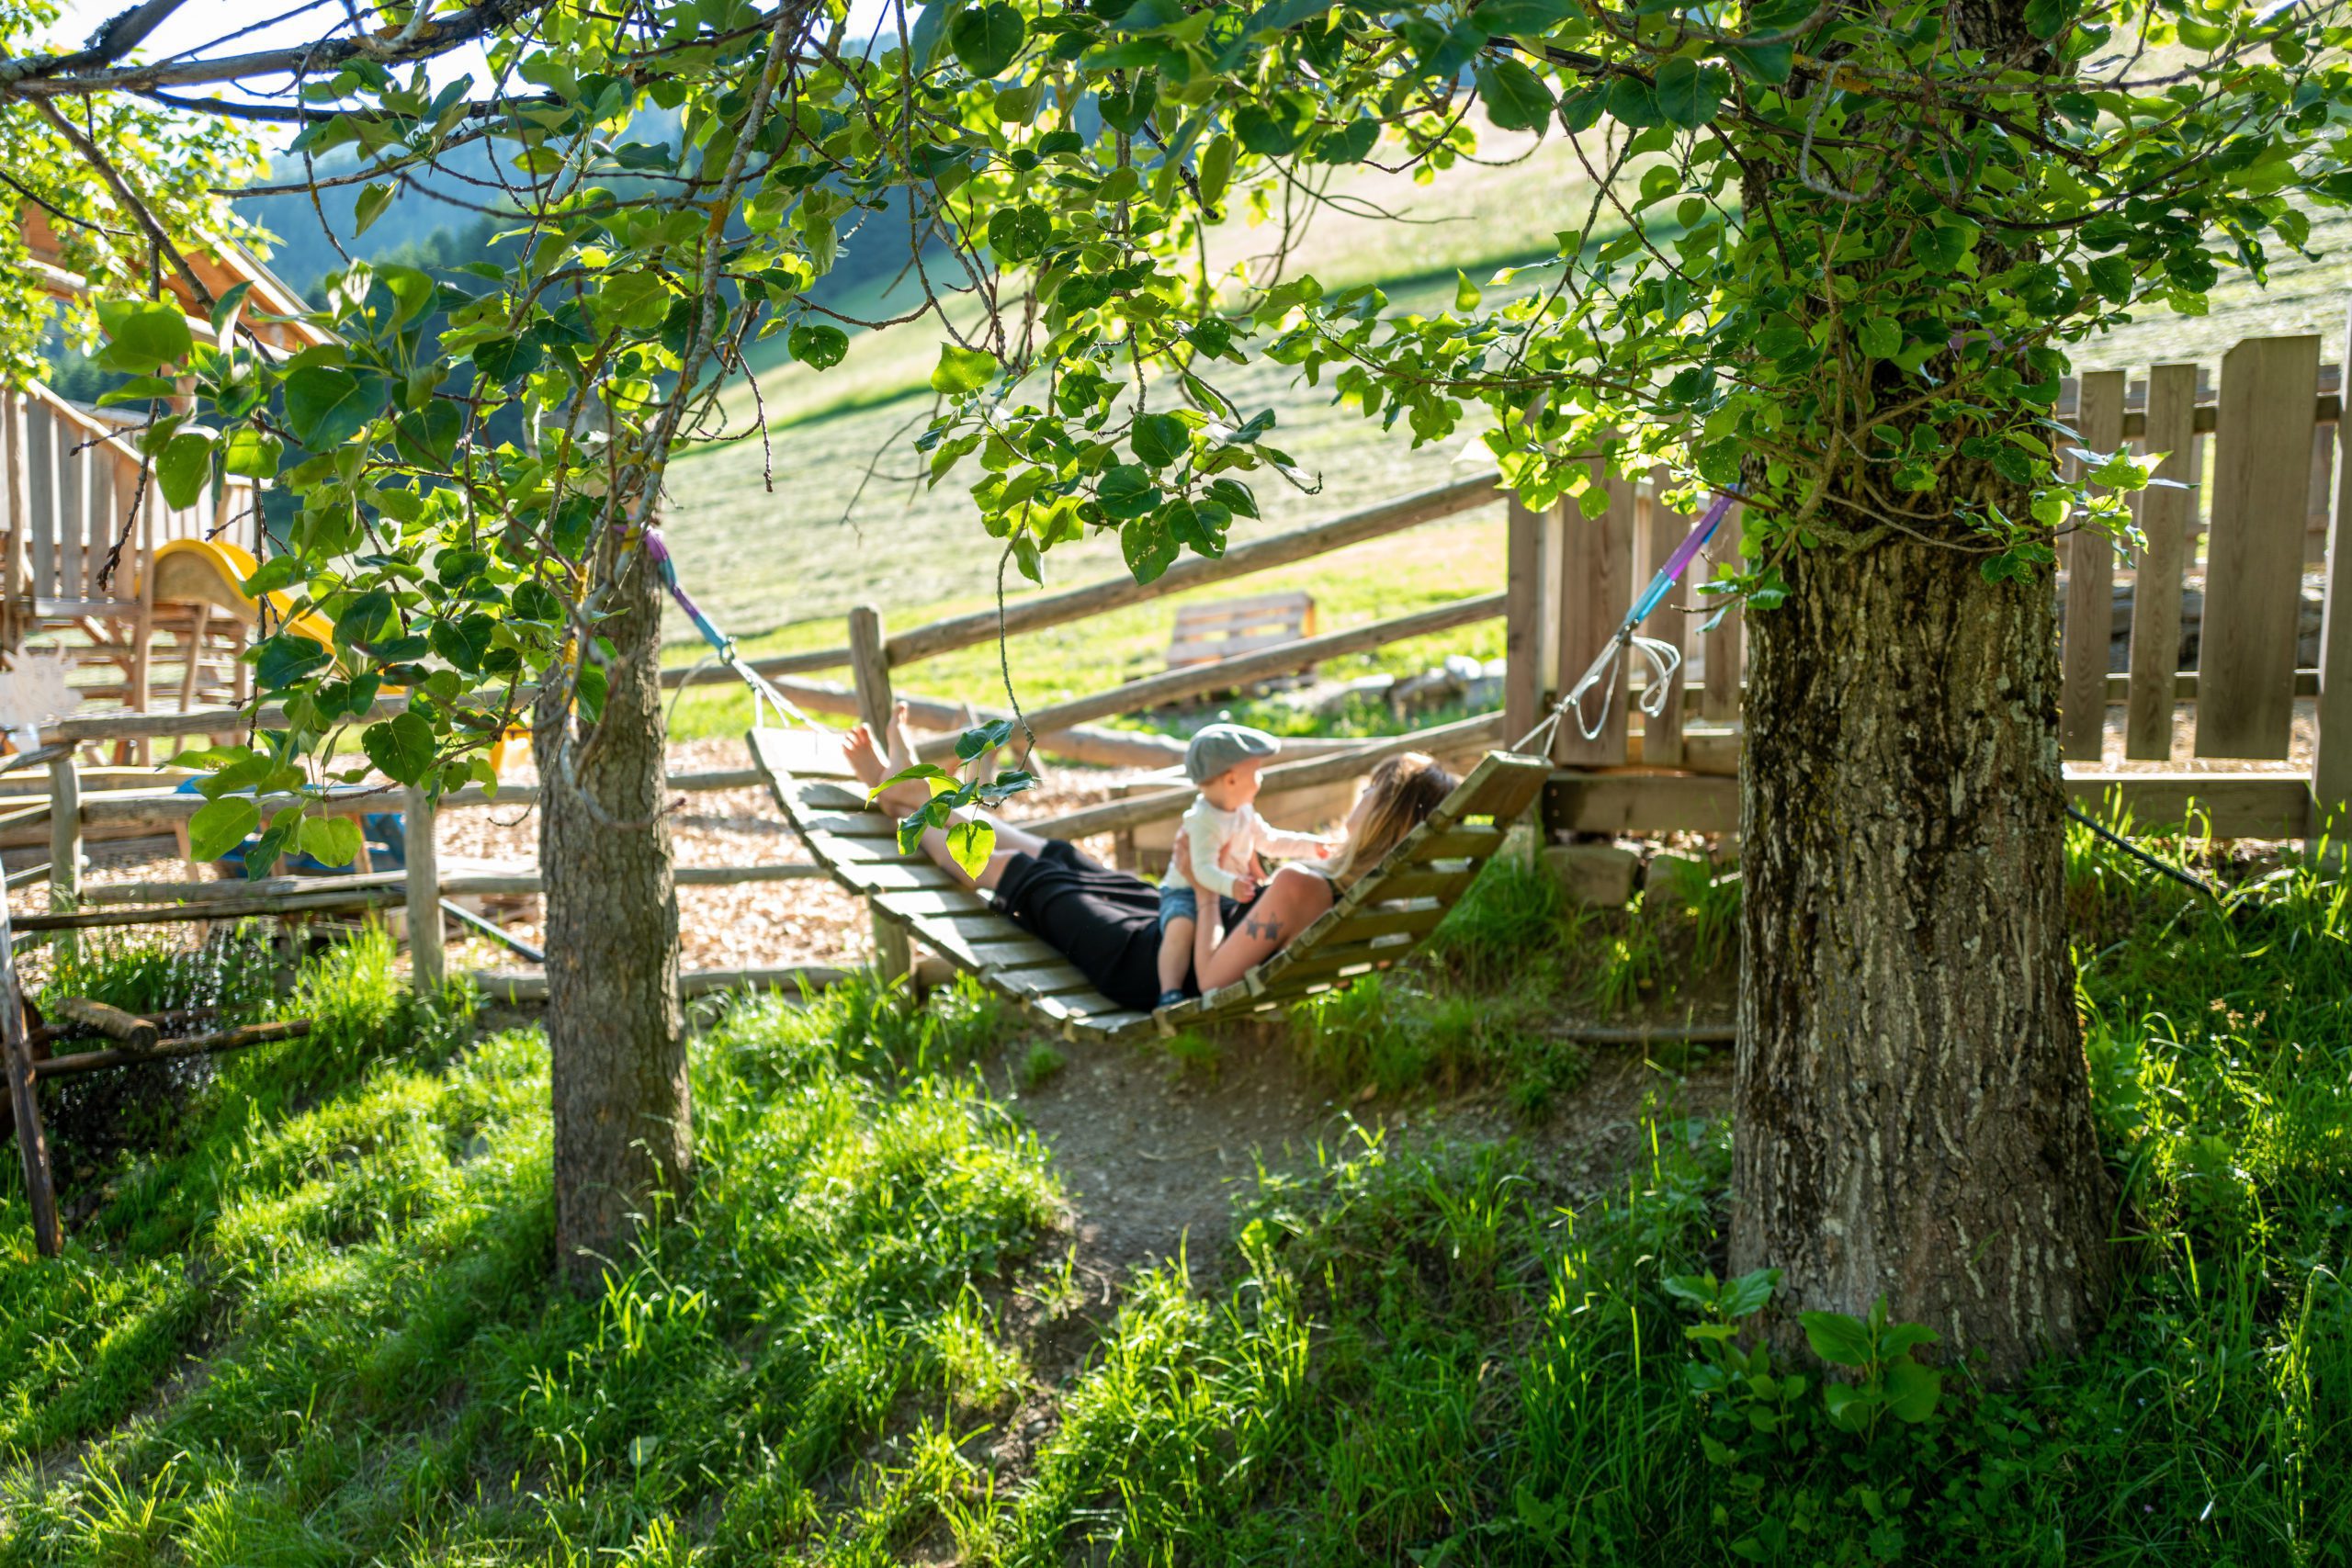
[(1265, 926)]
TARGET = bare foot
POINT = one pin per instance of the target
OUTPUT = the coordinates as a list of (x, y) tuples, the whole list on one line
[(898, 756), (868, 763)]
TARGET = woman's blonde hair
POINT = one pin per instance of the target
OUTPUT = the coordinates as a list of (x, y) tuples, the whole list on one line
[(1401, 792)]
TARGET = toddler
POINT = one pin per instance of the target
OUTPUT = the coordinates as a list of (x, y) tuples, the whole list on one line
[(1223, 761)]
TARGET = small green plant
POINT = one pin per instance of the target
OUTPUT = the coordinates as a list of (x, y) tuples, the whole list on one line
[(1512, 917), (1196, 1056), (1039, 1063), (1765, 1435)]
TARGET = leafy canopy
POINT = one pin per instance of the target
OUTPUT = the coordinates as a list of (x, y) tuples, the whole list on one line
[(1837, 255)]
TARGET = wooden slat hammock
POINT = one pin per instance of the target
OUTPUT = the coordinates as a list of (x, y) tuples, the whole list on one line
[(1376, 921)]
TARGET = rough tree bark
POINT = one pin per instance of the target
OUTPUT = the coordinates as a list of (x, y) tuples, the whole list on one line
[(1913, 1108), (615, 1037)]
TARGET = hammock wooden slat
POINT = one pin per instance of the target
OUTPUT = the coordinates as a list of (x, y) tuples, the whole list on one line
[(1379, 920)]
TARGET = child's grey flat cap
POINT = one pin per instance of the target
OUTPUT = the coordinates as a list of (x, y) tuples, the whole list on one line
[(1218, 746)]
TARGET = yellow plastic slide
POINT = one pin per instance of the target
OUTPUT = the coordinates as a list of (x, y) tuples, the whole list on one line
[(212, 571)]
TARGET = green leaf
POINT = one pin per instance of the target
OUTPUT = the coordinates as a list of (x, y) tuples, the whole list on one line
[(220, 825), (817, 345), (1688, 94), (401, 746), (986, 38), (1771, 63), (1880, 337), (1149, 547), (427, 438), (1466, 294), (982, 738), (287, 659), (184, 468), (1749, 1293), (331, 841), (1017, 233), (1913, 1389), (1515, 96), (506, 359), (961, 370), (1520, 19), (1215, 172), (1160, 439), (370, 206), (144, 335), (327, 405), (1840, 1340), (970, 843), (255, 453), (2048, 18), (629, 301)]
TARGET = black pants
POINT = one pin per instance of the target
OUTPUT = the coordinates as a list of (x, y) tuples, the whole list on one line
[(1106, 922)]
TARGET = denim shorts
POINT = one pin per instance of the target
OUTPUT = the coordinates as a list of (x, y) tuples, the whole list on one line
[(1177, 902)]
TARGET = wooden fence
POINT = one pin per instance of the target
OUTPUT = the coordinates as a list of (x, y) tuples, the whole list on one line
[(2260, 537)]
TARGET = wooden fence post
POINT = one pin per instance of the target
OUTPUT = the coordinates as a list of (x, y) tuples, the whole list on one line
[(2168, 519), (64, 840), (422, 852), (2332, 759), (870, 673), (1662, 730), (2253, 566), (1725, 645), (1595, 588), (2090, 587), (17, 1055), (1523, 606)]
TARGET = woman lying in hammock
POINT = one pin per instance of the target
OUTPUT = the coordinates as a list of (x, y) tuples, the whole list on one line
[(1107, 923)]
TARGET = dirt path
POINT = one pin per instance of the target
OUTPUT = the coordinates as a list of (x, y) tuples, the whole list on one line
[(1153, 1152)]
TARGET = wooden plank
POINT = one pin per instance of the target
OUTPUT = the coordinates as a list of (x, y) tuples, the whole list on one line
[(17, 1058), (1662, 530), (1194, 571), (920, 903), (1726, 640), (834, 849), (2254, 581), (72, 503), (1013, 952), (1469, 839), (421, 867), (1411, 915), (2331, 756), (1595, 588), (1641, 803), (15, 510), (819, 795), (851, 825), (1045, 980), (2239, 806), (42, 513), (1175, 685), (1247, 604), (2090, 588), (1431, 883), (2164, 518), (1523, 604), (898, 877), (64, 833)]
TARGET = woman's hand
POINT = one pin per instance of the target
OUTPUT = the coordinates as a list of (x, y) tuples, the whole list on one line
[(1180, 857)]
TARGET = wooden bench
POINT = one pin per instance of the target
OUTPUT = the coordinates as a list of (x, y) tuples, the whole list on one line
[(1206, 633)]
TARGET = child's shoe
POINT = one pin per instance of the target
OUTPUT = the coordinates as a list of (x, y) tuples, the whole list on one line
[(1168, 1000)]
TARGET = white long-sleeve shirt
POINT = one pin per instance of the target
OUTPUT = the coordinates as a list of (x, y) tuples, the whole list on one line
[(1210, 832)]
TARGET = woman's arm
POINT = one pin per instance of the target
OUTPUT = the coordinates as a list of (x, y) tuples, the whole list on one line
[(1293, 900)]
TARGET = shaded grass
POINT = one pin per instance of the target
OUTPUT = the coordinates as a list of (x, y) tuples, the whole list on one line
[(1439, 1353)]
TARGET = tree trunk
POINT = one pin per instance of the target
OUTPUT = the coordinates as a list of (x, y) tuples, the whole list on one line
[(1913, 1108), (623, 1129)]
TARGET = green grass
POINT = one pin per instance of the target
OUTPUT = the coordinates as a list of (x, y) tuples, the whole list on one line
[(310, 1322)]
